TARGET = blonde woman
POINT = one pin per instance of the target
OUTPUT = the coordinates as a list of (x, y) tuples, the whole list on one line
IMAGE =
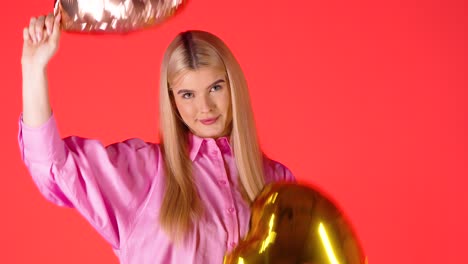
[(185, 200)]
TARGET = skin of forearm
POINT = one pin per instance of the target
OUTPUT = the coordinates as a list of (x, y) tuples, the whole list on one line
[(36, 103)]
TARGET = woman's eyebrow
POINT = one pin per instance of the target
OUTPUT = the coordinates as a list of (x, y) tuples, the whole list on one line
[(216, 82), (181, 91), (184, 91)]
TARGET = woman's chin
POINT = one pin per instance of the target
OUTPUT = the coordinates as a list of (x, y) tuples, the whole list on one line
[(210, 133)]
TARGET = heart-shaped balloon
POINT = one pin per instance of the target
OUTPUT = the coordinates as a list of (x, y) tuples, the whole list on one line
[(293, 223), (117, 16)]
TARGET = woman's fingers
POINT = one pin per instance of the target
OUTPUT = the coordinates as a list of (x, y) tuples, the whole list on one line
[(56, 28), (39, 28), (49, 23), (26, 37), (32, 29)]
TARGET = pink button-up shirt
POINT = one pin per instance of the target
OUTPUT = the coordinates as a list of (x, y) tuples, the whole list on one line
[(119, 190)]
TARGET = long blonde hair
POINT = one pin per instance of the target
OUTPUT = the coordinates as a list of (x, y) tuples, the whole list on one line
[(192, 50)]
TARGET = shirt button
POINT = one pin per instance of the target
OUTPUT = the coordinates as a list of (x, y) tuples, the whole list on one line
[(231, 210), (223, 182), (232, 244)]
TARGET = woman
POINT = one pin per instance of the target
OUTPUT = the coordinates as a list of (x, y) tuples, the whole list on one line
[(185, 200)]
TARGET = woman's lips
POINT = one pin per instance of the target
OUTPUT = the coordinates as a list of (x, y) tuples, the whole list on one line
[(208, 121)]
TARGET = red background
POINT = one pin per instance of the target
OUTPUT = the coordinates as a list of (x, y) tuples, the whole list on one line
[(365, 99)]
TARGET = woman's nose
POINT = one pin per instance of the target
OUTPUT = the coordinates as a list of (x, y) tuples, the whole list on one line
[(205, 104)]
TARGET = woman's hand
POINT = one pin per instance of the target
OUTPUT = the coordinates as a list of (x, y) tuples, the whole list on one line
[(40, 40)]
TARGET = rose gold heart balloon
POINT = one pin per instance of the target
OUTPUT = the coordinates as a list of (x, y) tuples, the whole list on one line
[(118, 16), (293, 223)]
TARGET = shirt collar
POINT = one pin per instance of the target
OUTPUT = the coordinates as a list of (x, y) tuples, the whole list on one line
[(196, 142)]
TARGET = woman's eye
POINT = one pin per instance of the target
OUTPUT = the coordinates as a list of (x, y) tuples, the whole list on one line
[(187, 95), (216, 88)]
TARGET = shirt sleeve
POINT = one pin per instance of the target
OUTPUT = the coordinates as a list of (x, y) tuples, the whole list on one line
[(106, 184), (276, 171)]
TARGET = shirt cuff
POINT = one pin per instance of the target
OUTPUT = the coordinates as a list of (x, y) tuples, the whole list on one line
[(40, 143)]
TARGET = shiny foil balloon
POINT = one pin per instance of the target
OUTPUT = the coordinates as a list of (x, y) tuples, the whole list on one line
[(118, 16), (295, 224)]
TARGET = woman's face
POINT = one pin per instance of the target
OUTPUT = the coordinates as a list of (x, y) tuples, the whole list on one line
[(203, 100)]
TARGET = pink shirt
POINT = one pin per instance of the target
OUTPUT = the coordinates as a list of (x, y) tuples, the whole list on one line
[(119, 190)]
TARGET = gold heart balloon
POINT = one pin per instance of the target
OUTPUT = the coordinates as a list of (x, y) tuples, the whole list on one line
[(119, 16), (296, 224)]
